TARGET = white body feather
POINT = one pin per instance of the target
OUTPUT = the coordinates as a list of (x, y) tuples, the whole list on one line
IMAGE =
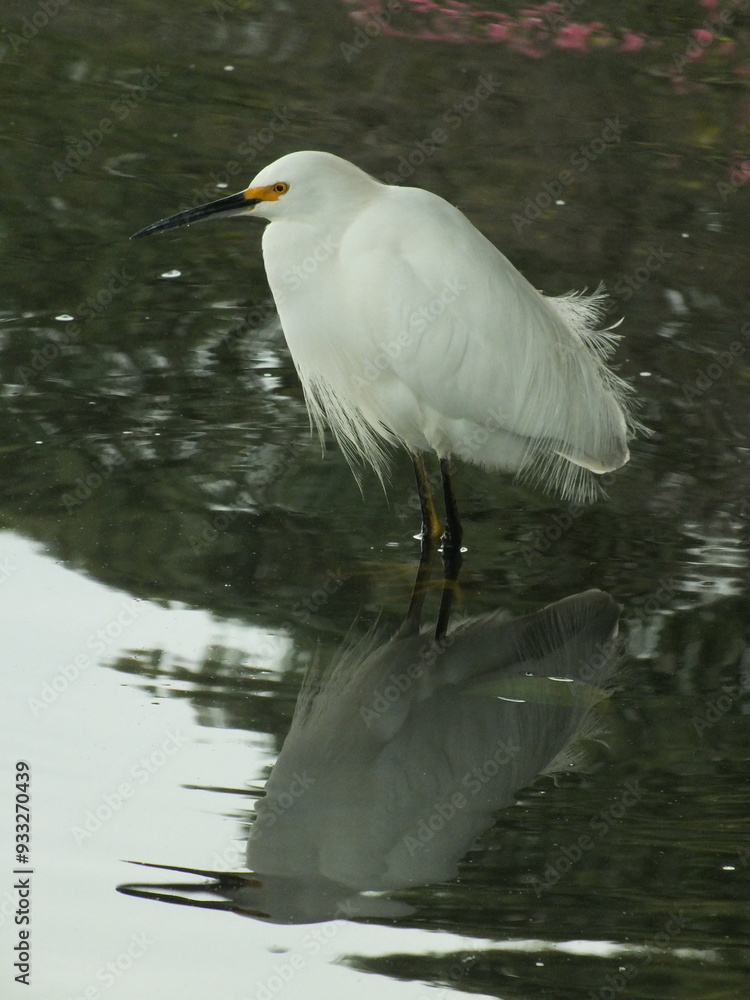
[(399, 755), (407, 326), (389, 732)]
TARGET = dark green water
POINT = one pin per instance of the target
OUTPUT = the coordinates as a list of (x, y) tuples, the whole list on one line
[(167, 519)]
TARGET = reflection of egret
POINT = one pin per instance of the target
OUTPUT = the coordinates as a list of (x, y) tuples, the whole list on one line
[(407, 326), (398, 755)]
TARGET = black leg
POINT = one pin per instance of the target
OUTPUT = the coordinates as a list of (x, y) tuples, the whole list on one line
[(419, 590), (430, 522), (451, 569), (452, 557), (429, 535), (453, 534)]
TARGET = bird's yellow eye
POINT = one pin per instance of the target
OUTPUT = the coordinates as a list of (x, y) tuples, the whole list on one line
[(268, 192)]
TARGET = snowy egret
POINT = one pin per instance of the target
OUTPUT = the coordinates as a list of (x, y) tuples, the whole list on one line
[(408, 327), (399, 754)]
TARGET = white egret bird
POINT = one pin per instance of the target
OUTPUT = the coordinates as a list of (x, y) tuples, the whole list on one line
[(400, 753), (407, 326)]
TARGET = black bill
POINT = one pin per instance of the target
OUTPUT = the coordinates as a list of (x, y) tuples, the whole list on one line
[(233, 204)]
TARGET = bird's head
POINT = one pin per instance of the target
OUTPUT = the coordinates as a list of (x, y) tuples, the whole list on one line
[(297, 186)]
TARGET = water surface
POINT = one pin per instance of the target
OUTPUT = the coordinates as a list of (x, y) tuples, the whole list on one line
[(176, 553)]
